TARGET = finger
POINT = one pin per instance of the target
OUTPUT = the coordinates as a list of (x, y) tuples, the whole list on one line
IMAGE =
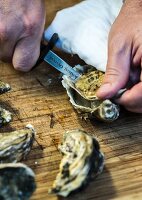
[(26, 54), (137, 58), (132, 99), (117, 72)]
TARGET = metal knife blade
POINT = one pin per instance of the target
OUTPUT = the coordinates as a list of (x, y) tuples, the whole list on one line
[(58, 63)]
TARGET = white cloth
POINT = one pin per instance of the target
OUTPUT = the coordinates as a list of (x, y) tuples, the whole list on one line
[(83, 29)]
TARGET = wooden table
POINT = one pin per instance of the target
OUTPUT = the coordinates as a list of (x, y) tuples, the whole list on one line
[(38, 98)]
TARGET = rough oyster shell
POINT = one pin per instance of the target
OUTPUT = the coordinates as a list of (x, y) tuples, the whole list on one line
[(82, 159), (4, 87), (17, 182), (83, 97), (5, 116), (16, 145)]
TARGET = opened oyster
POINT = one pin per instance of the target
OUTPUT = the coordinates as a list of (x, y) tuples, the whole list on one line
[(83, 97), (16, 145), (82, 160), (17, 182)]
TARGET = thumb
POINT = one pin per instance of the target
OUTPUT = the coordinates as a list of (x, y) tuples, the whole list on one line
[(26, 54), (117, 72)]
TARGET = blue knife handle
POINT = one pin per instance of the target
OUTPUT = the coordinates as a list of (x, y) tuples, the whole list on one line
[(55, 61)]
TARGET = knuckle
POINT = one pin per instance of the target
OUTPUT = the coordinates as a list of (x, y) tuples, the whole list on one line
[(112, 71), (119, 44), (30, 26)]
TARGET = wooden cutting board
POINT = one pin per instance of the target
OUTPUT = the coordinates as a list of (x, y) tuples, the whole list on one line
[(38, 98)]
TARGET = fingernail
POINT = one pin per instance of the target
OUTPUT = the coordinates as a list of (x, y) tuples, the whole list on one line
[(103, 91)]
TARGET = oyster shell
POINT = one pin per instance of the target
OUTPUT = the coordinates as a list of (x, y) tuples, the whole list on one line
[(83, 97), (82, 159), (5, 116), (17, 182), (4, 87), (16, 145)]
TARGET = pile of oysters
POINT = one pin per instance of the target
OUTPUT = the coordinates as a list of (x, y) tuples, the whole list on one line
[(17, 181), (83, 97), (82, 159)]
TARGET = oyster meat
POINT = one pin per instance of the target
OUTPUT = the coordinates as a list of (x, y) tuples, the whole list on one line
[(17, 182), (16, 145), (82, 160), (83, 97)]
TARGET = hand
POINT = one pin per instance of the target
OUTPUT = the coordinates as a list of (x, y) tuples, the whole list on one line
[(125, 57), (21, 29)]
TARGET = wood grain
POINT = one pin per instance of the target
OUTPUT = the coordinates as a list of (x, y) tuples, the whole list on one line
[(38, 98)]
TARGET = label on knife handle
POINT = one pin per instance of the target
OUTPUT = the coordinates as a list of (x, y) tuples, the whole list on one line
[(54, 60)]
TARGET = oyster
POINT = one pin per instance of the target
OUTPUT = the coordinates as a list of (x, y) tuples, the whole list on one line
[(83, 97), (81, 161), (16, 145), (5, 116), (17, 182), (4, 87)]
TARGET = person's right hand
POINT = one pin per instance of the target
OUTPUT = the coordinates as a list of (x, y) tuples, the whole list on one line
[(21, 28), (125, 54)]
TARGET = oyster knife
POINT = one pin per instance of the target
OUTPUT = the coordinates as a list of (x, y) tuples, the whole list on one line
[(55, 61)]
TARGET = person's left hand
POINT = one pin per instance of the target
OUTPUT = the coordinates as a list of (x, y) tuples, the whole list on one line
[(21, 28)]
